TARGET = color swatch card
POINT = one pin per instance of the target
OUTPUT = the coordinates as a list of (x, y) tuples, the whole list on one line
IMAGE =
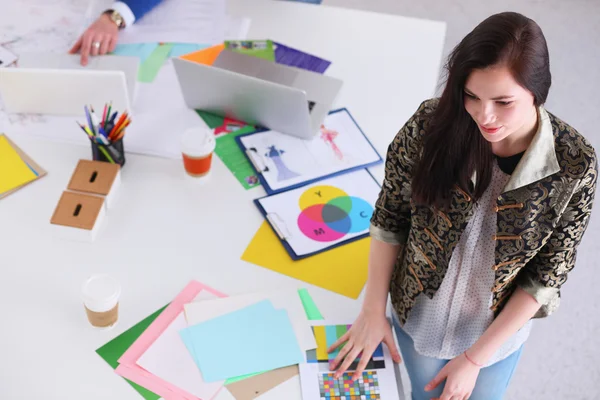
[(254, 339), (288, 300), (284, 162), (322, 215), (377, 382)]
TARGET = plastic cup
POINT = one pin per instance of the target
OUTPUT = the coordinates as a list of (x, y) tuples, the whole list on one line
[(197, 147), (101, 295)]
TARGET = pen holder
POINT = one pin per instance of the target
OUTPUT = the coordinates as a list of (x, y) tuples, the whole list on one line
[(115, 150)]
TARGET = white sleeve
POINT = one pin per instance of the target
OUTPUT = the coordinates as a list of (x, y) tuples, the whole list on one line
[(125, 12)]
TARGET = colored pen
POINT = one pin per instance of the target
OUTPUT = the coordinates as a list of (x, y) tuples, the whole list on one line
[(86, 130), (112, 150), (121, 132), (89, 119), (108, 113), (120, 121), (95, 120), (104, 116)]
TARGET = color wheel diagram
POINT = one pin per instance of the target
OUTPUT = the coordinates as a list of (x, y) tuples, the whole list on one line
[(329, 213)]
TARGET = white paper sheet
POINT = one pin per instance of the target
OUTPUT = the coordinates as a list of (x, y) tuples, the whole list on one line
[(236, 28), (288, 300), (311, 373), (320, 215), (169, 359), (340, 145), (180, 21)]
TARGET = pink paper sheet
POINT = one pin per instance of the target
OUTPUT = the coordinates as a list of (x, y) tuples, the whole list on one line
[(127, 363)]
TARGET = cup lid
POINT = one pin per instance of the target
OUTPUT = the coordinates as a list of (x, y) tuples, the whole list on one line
[(198, 141), (101, 292)]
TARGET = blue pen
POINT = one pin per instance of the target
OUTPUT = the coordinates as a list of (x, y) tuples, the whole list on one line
[(102, 131)]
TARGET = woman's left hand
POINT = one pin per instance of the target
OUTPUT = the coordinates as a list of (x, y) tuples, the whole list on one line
[(460, 375)]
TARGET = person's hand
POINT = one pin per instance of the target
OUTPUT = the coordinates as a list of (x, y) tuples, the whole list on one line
[(367, 332), (460, 375), (100, 38)]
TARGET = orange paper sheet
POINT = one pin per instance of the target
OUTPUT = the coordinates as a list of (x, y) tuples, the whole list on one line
[(342, 270), (205, 56)]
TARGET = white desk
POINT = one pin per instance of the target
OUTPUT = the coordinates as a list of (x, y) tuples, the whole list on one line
[(163, 231)]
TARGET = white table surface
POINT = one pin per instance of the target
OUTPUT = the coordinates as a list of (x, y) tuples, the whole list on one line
[(165, 231)]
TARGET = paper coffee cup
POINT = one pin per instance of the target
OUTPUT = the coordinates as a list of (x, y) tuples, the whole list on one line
[(197, 147), (101, 300)]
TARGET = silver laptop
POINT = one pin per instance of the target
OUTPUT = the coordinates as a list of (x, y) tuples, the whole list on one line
[(260, 92)]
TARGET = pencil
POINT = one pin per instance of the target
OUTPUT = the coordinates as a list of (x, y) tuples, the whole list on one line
[(120, 121), (108, 114), (121, 132), (103, 116)]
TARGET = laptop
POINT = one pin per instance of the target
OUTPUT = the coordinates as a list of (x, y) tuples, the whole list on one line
[(260, 92), (61, 91), (45, 60)]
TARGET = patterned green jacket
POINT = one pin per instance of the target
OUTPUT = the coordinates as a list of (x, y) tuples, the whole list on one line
[(543, 213)]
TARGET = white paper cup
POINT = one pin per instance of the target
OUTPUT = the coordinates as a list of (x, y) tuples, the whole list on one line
[(197, 147), (101, 295)]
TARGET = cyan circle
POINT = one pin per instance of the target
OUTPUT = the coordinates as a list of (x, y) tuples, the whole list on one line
[(360, 215)]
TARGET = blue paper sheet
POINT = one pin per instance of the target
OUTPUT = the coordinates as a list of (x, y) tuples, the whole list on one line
[(253, 339), (180, 49), (140, 50)]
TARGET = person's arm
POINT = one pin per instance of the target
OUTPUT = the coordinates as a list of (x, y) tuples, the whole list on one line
[(462, 371), (137, 8), (389, 229), (538, 288), (102, 35)]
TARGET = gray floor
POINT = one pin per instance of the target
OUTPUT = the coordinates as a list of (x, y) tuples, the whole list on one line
[(561, 360)]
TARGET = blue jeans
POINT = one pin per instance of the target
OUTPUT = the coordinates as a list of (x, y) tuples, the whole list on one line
[(491, 384)]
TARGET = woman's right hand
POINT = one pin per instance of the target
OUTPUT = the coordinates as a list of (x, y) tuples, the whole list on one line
[(367, 332)]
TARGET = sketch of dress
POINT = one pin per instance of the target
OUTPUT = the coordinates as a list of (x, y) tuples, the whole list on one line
[(283, 172), (328, 136)]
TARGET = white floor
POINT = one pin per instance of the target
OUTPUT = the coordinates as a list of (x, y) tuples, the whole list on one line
[(561, 360)]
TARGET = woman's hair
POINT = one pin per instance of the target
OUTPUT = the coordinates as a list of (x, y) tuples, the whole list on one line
[(453, 148)]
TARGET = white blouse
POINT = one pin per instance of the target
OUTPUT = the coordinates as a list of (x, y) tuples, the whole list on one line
[(459, 313)]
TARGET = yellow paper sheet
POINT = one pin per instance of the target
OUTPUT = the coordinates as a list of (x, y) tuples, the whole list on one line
[(13, 170), (342, 270)]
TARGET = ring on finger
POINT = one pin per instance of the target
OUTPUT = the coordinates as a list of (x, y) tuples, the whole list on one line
[(96, 45)]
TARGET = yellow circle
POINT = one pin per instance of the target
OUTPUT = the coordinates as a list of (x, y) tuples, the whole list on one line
[(319, 195)]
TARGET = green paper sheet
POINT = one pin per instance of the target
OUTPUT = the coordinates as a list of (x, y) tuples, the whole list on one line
[(235, 160), (310, 308), (229, 151), (212, 120), (256, 48), (150, 67), (113, 350)]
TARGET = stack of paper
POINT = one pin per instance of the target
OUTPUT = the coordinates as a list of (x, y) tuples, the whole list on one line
[(254, 339), (16, 168), (156, 361)]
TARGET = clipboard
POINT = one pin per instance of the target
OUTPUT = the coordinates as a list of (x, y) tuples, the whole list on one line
[(263, 163), (336, 232), (36, 168)]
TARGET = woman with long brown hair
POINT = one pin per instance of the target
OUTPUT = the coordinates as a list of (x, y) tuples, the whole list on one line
[(485, 199)]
